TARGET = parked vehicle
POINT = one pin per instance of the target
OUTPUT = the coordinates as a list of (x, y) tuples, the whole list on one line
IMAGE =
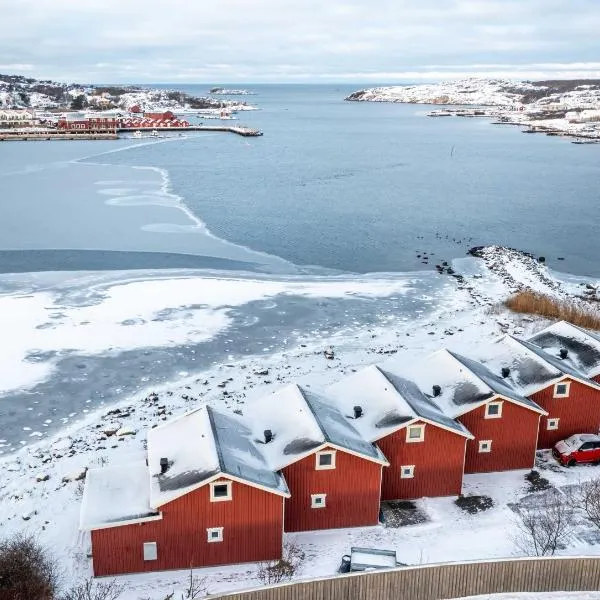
[(579, 448)]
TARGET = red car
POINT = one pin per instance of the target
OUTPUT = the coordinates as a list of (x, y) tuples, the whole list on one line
[(579, 448)]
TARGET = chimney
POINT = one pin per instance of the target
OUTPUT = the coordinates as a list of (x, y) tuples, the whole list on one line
[(164, 465), (564, 353), (358, 412), (437, 390), (268, 435), (505, 372)]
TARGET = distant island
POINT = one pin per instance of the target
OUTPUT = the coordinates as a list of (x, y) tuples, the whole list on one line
[(219, 91), (555, 107), (17, 91)]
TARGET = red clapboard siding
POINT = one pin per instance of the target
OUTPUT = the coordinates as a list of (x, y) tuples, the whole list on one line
[(514, 439), (579, 413), (252, 522), (353, 491), (438, 462)]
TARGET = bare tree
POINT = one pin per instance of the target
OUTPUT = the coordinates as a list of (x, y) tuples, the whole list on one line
[(196, 587), (588, 500), (276, 571), (545, 528), (26, 570), (94, 590)]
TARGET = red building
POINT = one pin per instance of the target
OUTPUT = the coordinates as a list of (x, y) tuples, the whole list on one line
[(425, 448), (504, 423), (160, 116), (83, 124), (552, 378), (333, 473), (205, 498)]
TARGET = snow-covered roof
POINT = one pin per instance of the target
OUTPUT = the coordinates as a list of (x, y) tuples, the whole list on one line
[(464, 383), (201, 445), (388, 402), (301, 421), (583, 346), (530, 367), (115, 495)]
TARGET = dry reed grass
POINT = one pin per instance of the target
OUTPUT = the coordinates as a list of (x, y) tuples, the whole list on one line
[(534, 303)]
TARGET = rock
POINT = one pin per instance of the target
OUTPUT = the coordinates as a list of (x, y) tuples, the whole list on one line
[(328, 352), (80, 476), (27, 516), (541, 259), (111, 430), (262, 372), (125, 431), (42, 477)]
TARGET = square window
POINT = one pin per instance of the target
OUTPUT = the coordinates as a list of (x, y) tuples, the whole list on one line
[(561, 390), (552, 424), (493, 410), (415, 433), (325, 460), (150, 551), (407, 472), (220, 491), (214, 534), (485, 446), (318, 500)]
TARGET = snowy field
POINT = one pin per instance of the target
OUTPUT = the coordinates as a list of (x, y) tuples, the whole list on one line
[(41, 490)]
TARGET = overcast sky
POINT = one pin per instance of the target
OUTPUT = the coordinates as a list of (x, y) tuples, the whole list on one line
[(220, 41)]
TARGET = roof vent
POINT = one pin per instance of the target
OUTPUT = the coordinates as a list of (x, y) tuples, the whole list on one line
[(505, 372), (437, 390), (564, 353), (358, 412), (164, 465), (268, 435)]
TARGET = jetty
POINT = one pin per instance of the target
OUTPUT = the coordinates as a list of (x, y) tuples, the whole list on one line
[(23, 135)]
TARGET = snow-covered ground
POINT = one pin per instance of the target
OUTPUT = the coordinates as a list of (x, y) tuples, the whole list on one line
[(574, 113), (42, 485)]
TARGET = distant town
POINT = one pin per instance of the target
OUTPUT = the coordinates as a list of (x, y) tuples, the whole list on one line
[(33, 109)]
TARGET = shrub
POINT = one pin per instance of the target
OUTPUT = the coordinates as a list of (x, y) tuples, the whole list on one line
[(534, 303), (94, 590), (26, 570), (276, 571)]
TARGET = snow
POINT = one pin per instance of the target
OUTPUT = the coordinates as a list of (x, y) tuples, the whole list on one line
[(388, 403), (372, 558), (537, 596), (114, 494), (153, 313), (189, 445)]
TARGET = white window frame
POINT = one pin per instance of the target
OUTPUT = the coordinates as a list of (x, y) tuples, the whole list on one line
[(214, 498), (566, 394), (319, 466), (407, 471), (552, 424), (209, 534), (482, 446), (497, 403), (150, 551), (314, 500), (412, 440)]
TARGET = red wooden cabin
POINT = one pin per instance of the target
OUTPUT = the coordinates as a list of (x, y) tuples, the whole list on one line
[(504, 423), (425, 448), (333, 474), (87, 124), (552, 378), (206, 498)]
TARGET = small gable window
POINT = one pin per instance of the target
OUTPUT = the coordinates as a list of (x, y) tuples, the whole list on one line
[(485, 446), (493, 410), (415, 433), (552, 424), (214, 534), (407, 472), (325, 460), (561, 390), (150, 551), (318, 500), (220, 491)]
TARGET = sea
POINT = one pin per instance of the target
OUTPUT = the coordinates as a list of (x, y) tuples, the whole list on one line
[(334, 194)]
